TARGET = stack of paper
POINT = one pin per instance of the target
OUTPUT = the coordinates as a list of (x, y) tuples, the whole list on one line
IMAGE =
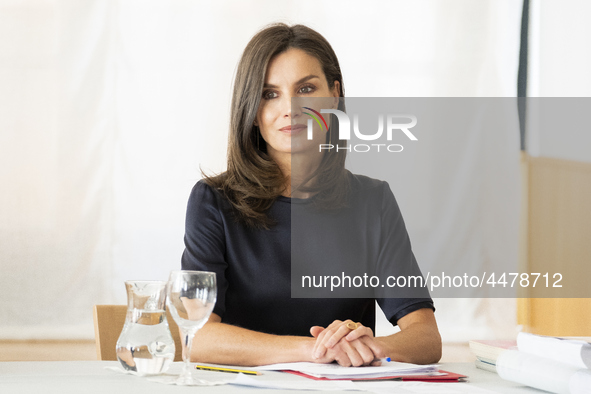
[(547, 363), (487, 352), (335, 371)]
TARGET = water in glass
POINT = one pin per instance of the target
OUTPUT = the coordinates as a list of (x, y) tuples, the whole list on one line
[(145, 344)]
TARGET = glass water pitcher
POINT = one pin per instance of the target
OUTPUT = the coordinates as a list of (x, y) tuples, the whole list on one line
[(145, 345)]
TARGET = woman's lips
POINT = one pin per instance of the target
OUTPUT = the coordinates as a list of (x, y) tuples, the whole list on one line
[(293, 129)]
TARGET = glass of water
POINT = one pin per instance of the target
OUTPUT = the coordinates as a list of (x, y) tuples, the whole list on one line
[(191, 298)]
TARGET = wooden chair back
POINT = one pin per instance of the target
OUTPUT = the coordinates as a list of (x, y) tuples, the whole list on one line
[(108, 324)]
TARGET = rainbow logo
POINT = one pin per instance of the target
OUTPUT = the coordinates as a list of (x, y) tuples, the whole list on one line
[(316, 117)]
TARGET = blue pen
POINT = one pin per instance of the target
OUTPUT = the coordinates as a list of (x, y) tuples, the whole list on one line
[(384, 360)]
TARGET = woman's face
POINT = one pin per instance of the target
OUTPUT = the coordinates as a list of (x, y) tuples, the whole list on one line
[(291, 74)]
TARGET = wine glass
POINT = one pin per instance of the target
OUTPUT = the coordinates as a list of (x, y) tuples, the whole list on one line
[(191, 298)]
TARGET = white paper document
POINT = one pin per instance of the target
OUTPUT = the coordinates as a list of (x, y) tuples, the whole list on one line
[(572, 352), (543, 373), (339, 385), (335, 371), (371, 387)]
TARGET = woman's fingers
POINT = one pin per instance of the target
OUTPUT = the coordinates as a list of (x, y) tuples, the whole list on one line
[(358, 333), (348, 355), (353, 332), (364, 351), (358, 353), (316, 330), (374, 346), (319, 348), (333, 334), (341, 332)]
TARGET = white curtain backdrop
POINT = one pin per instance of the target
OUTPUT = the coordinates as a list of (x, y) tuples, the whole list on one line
[(110, 108), (559, 64)]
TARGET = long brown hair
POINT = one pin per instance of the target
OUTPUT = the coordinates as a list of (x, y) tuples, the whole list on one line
[(253, 181)]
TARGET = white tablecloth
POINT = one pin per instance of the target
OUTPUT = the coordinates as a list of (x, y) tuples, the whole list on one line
[(64, 377)]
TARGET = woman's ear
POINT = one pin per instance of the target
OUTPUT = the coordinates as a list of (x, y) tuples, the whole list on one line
[(336, 89), (335, 103), (335, 92)]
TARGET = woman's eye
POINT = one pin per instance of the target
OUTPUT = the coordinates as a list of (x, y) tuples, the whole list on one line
[(269, 94), (306, 89)]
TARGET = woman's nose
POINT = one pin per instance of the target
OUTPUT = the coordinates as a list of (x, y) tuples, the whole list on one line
[(286, 106), (294, 107)]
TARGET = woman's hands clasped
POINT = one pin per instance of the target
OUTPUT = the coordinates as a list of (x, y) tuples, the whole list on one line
[(346, 342)]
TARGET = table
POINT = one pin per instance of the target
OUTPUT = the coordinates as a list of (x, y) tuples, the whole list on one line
[(66, 377)]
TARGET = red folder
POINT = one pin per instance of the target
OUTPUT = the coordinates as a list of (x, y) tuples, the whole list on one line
[(449, 377)]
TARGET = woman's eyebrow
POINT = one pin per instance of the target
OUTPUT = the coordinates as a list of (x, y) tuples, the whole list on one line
[(302, 80)]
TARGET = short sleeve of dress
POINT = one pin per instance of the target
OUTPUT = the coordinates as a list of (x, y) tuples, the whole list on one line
[(205, 243), (396, 257)]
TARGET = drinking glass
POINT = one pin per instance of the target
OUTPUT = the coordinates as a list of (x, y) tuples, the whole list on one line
[(191, 298)]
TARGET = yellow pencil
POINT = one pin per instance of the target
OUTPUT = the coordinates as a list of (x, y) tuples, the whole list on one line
[(230, 370)]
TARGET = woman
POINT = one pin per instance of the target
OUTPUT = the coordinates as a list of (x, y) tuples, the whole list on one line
[(239, 223)]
